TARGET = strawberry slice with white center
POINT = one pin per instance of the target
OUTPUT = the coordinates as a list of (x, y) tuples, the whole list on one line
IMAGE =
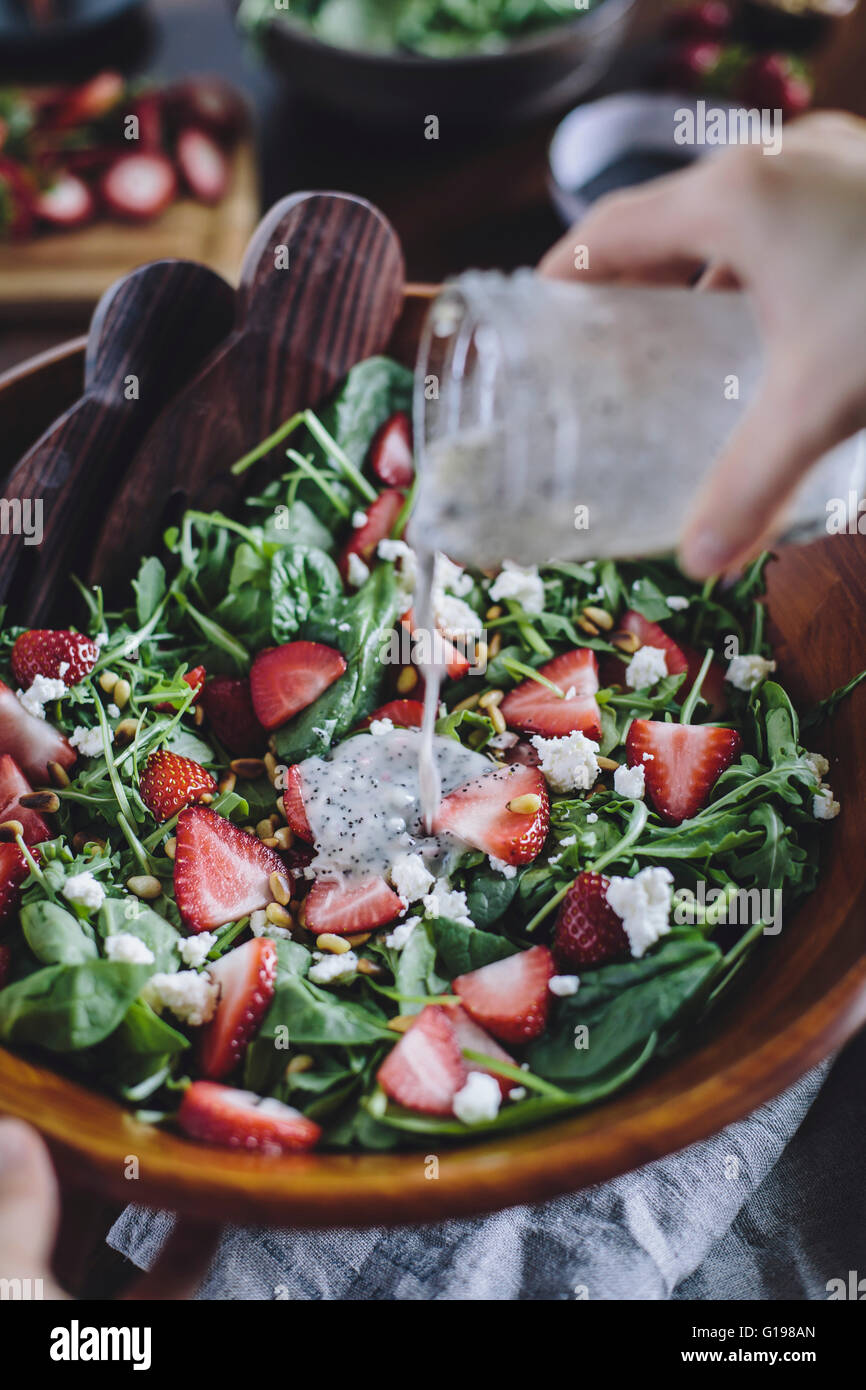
[(203, 165), (242, 1120), (293, 804), (13, 871), (471, 1038), (489, 814), (351, 907), (510, 998), (391, 452), (284, 680), (405, 714), (425, 1070), (534, 709), (32, 742), (221, 873), (139, 186), (170, 782), (246, 977), (14, 785), (379, 519), (682, 764), (56, 654), (445, 653), (67, 203), (679, 657)]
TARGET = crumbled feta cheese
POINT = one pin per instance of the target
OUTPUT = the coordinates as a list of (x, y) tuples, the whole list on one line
[(407, 574), (192, 997), (101, 639), (522, 584), (501, 866), (823, 805), (478, 1099), (378, 727), (194, 950), (568, 763), (259, 922), (644, 904), (744, 672), (448, 902), (87, 741), (676, 603), (517, 1093), (359, 518), (129, 949), (357, 573), (591, 819), (39, 692), (410, 877), (817, 763), (648, 665), (333, 969), (454, 617), (113, 712), (453, 578), (563, 985), (397, 939), (629, 781), (570, 839), (85, 890)]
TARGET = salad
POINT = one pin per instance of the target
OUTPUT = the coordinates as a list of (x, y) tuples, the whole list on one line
[(218, 900)]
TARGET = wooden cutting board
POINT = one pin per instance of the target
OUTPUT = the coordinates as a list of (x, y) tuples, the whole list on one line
[(68, 271)]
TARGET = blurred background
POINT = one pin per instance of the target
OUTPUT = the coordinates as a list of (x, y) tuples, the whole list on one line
[(130, 131)]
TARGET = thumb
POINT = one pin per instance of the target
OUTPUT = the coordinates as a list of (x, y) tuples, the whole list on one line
[(28, 1205)]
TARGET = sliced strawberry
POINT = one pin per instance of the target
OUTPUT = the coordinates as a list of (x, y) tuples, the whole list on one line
[(89, 102), (407, 714), (14, 785), (378, 524), (478, 814), (13, 871), (170, 782), (446, 654), (228, 704), (471, 1038), (391, 452), (682, 765), (284, 680), (425, 1070), (346, 909), (59, 655), (293, 804), (679, 657), (67, 203), (588, 932), (147, 108), (247, 978), (195, 680), (139, 186), (510, 997), (203, 165), (221, 873), (242, 1120), (534, 709), (32, 742)]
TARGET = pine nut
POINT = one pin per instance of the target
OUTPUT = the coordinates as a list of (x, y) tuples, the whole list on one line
[(270, 765), (249, 829), (278, 915), (126, 731), (247, 768), (285, 837), (494, 611), (108, 680), (586, 626), (271, 842), (227, 783), (144, 886), (407, 680), (59, 775), (482, 651), (497, 719), (368, 967), (303, 1062), (402, 1023), (40, 801), (10, 830), (280, 887), (494, 646), (625, 642), (599, 616), (170, 846), (606, 764), (264, 829), (525, 805), (198, 716), (469, 703), (359, 939), (121, 692), (329, 941), (85, 837), (491, 698)]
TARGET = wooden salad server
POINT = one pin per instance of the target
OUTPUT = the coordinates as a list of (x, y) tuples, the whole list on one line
[(320, 289), (149, 332)]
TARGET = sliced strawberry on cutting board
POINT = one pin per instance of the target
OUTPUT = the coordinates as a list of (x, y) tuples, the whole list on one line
[(471, 1038), (242, 1120), (478, 814), (32, 742), (247, 978), (683, 762), (67, 203), (195, 680), (379, 521), (679, 657), (14, 785), (139, 186), (425, 1070), (510, 998), (170, 782), (534, 709), (446, 654), (405, 714), (588, 932), (59, 655), (284, 680), (228, 704), (203, 165), (13, 871), (293, 804), (349, 908), (221, 873), (391, 452)]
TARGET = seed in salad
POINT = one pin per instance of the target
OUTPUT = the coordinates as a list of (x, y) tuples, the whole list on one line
[(303, 1062), (108, 680), (121, 692), (280, 887), (227, 783), (586, 626), (126, 731), (359, 939), (497, 719), (284, 836), (599, 616), (40, 801), (490, 698), (264, 829), (58, 775), (481, 653), (198, 716), (144, 886), (369, 967), (278, 916), (402, 1023), (171, 846), (493, 612), (271, 842), (11, 830), (271, 765), (606, 764), (247, 768), (526, 805), (494, 646), (625, 642), (407, 680), (337, 945), (470, 702)]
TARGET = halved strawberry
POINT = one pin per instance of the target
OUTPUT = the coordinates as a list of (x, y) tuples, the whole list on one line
[(60, 655), (588, 932), (14, 785), (284, 680), (510, 997), (445, 654), (32, 742), (679, 657), (67, 203), (228, 704), (195, 680), (425, 1070), (13, 871), (380, 517), (246, 977), (407, 714), (293, 804), (391, 452), (478, 814), (471, 1038), (221, 873), (682, 765), (139, 186), (534, 709), (242, 1120), (349, 908), (170, 782), (203, 165)]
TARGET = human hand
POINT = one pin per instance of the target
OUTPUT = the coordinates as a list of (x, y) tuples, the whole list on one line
[(791, 231)]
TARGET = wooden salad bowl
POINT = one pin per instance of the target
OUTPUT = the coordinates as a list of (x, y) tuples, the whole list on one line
[(801, 997)]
